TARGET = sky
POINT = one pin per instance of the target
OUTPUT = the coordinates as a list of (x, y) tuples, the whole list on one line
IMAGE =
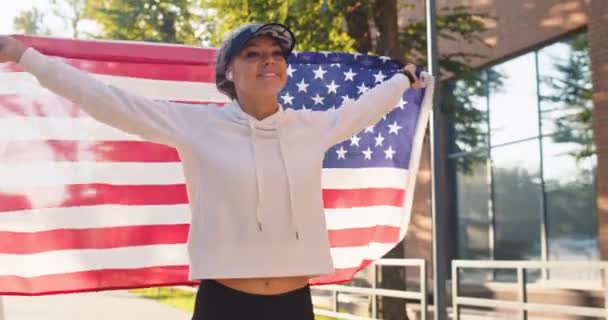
[(9, 9)]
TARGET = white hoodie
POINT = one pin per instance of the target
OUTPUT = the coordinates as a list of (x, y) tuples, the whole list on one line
[(254, 186)]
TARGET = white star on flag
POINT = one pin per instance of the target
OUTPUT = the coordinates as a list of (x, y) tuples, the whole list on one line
[(362, 88), (354, 141), (287, 98), (319, 73), (394, 128), (341, 153), (388, 153), (318, 99), (367, 153), (302, 86), (379, 139), (290, 71), (379, 77), (350, 75), (402, 103), (332, 87)]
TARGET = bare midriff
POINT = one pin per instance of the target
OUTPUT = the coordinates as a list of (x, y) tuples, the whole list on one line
[(266, 286)]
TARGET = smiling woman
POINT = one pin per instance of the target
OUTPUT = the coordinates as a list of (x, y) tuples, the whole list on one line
[(253, 170)]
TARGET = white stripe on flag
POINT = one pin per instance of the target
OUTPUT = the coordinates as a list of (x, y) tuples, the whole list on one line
[(367, 178), (102, 216), (22, 83), (118, 173), (16, 176), (105, 216), (349, 257), (38, 128), (65, 261), (363, 217)]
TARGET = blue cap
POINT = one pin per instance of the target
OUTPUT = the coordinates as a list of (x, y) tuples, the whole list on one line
[(237, 41)]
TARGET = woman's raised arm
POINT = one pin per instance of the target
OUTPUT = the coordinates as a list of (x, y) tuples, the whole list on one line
[(157, 121)]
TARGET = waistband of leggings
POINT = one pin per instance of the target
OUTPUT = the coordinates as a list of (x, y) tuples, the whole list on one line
[(210, 284)]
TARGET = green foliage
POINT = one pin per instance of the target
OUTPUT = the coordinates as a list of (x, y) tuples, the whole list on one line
[(317, 26), (146, 20), (571, 90), (31, 22)]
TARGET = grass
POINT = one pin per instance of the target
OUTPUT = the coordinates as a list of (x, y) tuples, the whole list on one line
[(180, 299)]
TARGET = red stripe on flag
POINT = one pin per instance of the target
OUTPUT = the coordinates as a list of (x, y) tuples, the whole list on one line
[(338, 198), (99, 238), (105, 50), (98, 151), (340, 275), (115, 279), (94, 280), (51, 106), (13, 105), (355, 237), (97, 194), (169, 72), (115, 237)]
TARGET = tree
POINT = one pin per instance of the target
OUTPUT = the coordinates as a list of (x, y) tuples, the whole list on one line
[(315, 24), (74, 14), (146, 20), (571, 94), (31, 22)]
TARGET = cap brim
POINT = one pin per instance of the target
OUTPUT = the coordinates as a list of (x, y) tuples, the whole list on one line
[(281, 33)]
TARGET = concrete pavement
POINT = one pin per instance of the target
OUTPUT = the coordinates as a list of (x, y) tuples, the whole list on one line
[(108, 305)]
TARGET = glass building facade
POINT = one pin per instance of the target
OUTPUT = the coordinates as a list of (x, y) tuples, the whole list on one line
[(521, 157)]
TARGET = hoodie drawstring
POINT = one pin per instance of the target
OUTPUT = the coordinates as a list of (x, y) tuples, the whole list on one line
[(294, 216), (258, 180)]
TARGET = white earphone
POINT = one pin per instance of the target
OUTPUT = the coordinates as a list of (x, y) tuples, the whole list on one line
[(229, 75)]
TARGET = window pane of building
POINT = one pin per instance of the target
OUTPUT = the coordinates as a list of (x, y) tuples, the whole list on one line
[(473, 196), (513, 105), (571, 209), (517, 200), (568, 150), (467, 105)]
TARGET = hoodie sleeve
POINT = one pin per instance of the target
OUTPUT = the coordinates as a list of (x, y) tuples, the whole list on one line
[(355, 115), (161, 122)]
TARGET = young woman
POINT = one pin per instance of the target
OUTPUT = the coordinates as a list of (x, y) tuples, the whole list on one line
[(253, 170)]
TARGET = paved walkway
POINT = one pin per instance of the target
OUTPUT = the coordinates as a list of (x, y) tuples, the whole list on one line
[(108, 305)]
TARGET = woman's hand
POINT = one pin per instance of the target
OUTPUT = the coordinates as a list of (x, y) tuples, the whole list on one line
[(418, 83), (11, 49)]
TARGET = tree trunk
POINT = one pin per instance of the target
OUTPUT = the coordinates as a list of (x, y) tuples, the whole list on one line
[(356, 16), (385, 18)]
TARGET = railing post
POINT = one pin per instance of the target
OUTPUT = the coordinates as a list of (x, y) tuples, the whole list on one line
[(522, 296), (334, 301), (373, 295), (1, 309), (423, 302), (455, 308)]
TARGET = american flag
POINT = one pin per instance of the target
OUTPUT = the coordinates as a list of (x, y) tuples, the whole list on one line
[(85, 207)]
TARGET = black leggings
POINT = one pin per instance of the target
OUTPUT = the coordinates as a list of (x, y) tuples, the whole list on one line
[(215, 301)]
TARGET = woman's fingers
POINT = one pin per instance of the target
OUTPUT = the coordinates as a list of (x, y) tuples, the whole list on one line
[(418, 82)]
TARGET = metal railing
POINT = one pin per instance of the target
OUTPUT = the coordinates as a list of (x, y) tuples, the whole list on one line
[(373, 292), (522, 306)]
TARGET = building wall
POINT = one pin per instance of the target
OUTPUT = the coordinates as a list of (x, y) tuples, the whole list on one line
[(598, 43), (515, 26), (520, 26)]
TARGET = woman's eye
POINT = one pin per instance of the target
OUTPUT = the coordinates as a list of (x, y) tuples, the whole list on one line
[(252, 54), (277, 53)]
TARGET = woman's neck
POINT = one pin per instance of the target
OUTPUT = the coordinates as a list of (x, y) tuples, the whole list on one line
[(258, 106)]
